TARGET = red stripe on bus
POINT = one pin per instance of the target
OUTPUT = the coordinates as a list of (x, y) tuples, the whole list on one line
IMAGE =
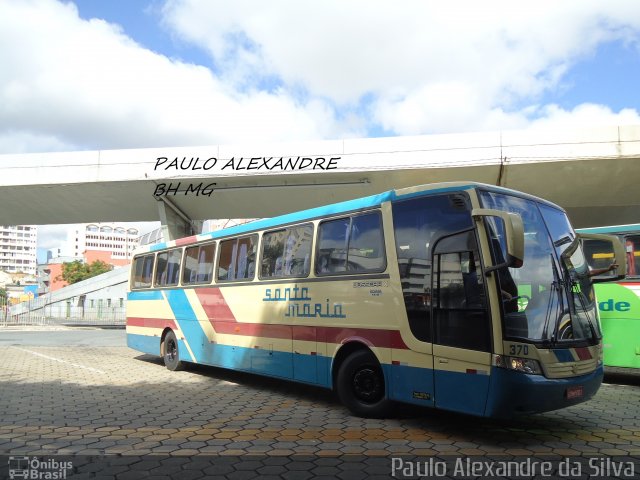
[(214, 305), (252, 329), (151, 322), (372, 337), (583, 353), (223, 321), (186, 240)]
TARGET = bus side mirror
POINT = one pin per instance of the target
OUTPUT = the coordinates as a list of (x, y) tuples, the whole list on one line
[(513, 233), (600, 252)]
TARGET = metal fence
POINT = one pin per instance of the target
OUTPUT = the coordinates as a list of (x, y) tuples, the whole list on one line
[(39, 312)]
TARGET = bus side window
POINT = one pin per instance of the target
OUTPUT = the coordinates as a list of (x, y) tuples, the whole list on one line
[(142, 268), (227, 249), (286, 253), (168, 268), (198, 264), (353, 244), (332, 245), (237, 258), (147, 271), (366, 245), (272, 248)]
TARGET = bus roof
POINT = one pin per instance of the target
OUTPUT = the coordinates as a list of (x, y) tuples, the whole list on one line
[(335, 209)]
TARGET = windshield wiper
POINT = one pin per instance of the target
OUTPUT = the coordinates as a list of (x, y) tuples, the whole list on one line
[(572, 293), (555, 292)]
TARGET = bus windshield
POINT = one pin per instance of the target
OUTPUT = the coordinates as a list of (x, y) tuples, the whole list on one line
[(550, 298)]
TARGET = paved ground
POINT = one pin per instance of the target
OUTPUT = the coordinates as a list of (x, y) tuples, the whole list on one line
[(110, 400), (60, 335)]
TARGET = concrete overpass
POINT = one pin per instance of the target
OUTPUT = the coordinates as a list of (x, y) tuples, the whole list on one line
[(593, 173)]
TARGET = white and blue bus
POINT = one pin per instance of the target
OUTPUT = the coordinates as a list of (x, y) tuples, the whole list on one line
[(460, 296)]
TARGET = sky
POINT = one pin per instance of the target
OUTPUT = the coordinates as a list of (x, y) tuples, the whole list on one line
[(94, 74)]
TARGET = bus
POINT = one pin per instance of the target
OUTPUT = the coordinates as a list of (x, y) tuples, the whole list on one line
[(618, 301), (459, 296)]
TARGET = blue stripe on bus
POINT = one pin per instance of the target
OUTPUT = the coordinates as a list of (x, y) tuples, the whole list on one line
[(327, 210), (145, 295), (344, 207), (319, 212), (270, 363), (187, 322), (422, 193), (563, 355), (144, 343), (324, 211), (461, 392), (324, 371), (410, 384), (183, 351)]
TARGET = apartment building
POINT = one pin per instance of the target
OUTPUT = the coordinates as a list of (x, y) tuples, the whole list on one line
[(18, 248)]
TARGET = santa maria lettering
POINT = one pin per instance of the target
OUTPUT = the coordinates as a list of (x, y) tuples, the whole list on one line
[(301, 305), (181, 164)]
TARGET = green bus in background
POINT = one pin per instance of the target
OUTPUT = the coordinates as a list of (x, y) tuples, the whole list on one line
[(618, 299)]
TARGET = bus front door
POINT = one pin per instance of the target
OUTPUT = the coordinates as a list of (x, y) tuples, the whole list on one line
[(461, 329)]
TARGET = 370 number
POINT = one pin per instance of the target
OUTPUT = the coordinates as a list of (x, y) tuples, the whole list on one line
[(518, 349)]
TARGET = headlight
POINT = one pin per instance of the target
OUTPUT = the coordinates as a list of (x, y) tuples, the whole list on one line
[(524, 365)]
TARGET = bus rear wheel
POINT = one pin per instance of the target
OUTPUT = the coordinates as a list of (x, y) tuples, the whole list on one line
[(361, 386), (170, 353)]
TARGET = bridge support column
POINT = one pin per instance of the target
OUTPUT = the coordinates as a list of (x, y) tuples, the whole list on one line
[(174, 222)]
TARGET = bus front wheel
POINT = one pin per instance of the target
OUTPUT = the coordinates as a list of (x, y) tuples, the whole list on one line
[(361, 387), (170, 353)]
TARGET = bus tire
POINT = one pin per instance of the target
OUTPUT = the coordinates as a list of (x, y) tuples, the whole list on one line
[(171, 353), (360, 385)]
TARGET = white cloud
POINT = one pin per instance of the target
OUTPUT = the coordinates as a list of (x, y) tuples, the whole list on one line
[(429, 66), (24, 141), (85, 84), (334, 69), (584, 115), (52, 236)]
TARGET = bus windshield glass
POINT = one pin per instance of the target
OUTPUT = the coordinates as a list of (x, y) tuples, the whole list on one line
[(550, 298)]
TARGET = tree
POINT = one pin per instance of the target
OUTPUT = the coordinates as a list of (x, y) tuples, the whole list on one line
[(76, 271), (3, 295)]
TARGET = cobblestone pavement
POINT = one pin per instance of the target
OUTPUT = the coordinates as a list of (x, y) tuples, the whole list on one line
[(96, 401)]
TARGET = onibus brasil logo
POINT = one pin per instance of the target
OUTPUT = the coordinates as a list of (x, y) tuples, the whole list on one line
[(38, 469)]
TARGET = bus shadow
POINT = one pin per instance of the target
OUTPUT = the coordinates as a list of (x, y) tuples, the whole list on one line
[(274, 385), (622, 376), (432, 422), (517, 432)]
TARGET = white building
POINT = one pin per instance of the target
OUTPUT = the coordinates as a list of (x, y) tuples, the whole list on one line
[(18, 248), (120, 240)]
